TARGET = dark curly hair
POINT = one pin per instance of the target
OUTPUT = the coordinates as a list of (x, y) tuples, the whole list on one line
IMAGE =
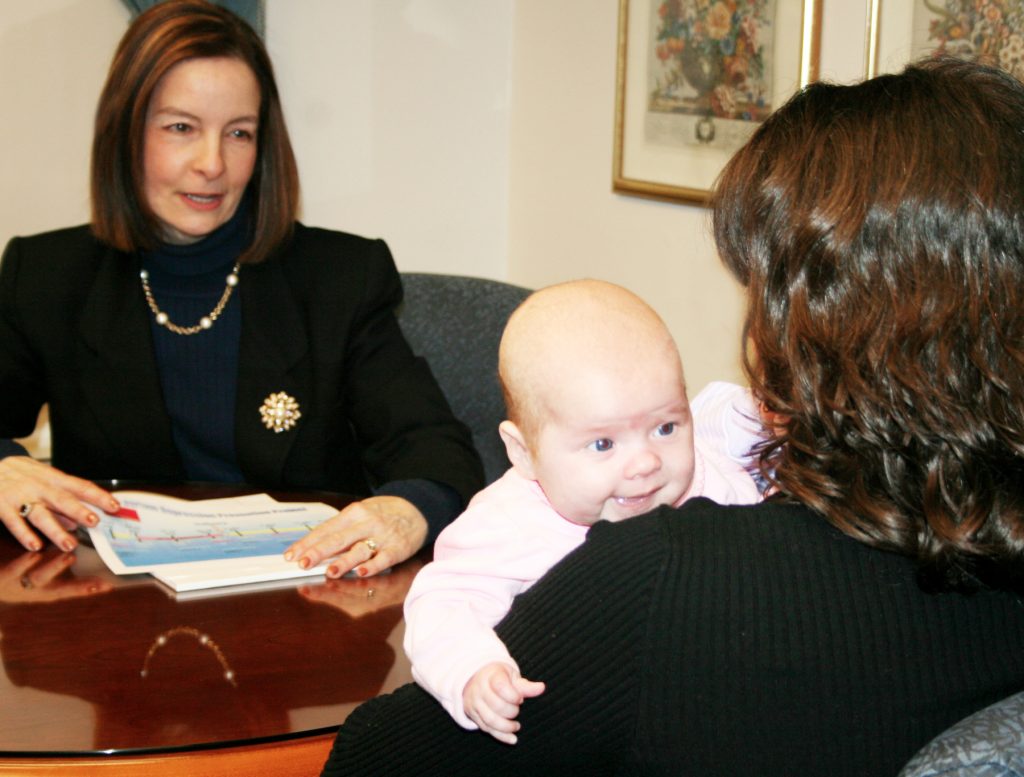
[(168, 33), (879, 230)]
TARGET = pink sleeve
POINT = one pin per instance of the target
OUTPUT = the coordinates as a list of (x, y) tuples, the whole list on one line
[(727, 421), (491, 553), (721, 479)]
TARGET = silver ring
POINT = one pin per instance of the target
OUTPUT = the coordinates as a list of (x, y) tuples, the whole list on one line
[(26, 509), (26, 582), (370, 593), (373, 546)]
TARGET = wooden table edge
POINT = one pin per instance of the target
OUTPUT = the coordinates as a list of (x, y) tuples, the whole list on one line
[(301, 757)]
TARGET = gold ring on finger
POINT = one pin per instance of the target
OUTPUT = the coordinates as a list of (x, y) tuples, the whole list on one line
[(372, 545), (26, 510)]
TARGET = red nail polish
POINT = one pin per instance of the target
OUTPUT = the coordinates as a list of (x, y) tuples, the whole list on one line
[(362, 571)]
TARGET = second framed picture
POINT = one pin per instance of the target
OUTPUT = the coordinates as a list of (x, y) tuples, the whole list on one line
[(695, 78), (991, 31)]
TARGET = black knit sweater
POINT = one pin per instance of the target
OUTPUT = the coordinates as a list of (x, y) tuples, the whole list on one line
[(716, 640)]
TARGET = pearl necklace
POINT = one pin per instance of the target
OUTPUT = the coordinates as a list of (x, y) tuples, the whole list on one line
[(206, 321)]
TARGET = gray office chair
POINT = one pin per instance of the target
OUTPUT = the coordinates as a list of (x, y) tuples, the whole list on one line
[(989, 743), (455, 322)]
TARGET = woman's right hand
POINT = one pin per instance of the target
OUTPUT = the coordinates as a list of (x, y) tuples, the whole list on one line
[(53, 501)]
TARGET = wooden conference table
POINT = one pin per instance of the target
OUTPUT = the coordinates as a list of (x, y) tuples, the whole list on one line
[(120, 676)]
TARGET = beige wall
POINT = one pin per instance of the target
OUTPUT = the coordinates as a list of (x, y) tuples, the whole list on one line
[(474, 135), (399, 111), (53, 59)]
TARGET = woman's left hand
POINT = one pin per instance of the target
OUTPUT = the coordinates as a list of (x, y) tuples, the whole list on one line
[(370, 536)]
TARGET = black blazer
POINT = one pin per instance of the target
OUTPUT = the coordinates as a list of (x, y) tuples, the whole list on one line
[(317, 323)]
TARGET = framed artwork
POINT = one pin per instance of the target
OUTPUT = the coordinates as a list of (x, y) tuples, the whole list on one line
[(900, 31), (693, 81)]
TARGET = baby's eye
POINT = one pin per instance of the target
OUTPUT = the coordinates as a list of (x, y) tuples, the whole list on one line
[(602, 445), (665, 430)]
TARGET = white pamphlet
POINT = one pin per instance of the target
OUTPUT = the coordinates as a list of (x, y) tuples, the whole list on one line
[(191, 545)]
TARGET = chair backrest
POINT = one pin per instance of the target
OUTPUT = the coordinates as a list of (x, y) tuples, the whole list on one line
[(455, 322), (989, 743)]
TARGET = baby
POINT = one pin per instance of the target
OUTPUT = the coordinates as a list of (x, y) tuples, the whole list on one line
[(599, 428)]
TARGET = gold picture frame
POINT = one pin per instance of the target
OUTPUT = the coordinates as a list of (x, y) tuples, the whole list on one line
[(694, 79)]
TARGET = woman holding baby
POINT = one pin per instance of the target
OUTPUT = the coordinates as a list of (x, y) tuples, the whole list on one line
[(873, 599)]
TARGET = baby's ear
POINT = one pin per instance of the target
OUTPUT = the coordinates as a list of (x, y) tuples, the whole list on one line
[(517, 449)]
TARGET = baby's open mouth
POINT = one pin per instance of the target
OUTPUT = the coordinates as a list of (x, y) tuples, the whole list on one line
[(629, 501)]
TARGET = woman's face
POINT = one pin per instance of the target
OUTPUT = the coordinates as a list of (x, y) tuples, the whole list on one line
[(200, 145)]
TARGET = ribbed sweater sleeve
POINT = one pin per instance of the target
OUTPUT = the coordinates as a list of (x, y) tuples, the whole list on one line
[(579, 630), (778, 645)]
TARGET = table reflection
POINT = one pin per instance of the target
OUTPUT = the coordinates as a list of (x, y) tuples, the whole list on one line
[(164, 671)]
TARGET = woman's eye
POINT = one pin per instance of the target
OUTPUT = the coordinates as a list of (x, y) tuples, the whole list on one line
[(241, 134), (179, 126), (665, 430), (602, 445)]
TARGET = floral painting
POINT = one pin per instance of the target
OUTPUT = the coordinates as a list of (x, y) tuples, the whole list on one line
[(695, 78), (991, 31), (712, 58)]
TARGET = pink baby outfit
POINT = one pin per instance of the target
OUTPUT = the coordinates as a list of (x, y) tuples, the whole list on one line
[(506, 539)]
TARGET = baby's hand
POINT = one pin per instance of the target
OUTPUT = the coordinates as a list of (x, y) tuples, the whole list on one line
[(492, 697)]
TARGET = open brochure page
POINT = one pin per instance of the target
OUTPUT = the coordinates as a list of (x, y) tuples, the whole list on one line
[(203, 544)]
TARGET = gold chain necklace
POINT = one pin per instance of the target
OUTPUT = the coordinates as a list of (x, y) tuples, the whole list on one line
[(206, 321)]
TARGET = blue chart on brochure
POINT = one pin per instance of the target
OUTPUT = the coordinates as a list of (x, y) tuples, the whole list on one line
[(191, 545)]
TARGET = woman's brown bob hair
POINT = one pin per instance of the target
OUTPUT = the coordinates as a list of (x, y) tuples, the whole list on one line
[(879, 230), (168, 33)]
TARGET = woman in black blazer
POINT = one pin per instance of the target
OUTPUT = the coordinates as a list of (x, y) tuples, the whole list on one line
[(193, 330)]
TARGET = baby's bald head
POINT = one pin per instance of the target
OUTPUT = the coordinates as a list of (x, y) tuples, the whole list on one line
[(576, 331)]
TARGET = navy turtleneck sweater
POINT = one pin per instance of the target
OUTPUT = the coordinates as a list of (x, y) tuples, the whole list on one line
[(199, 373)]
